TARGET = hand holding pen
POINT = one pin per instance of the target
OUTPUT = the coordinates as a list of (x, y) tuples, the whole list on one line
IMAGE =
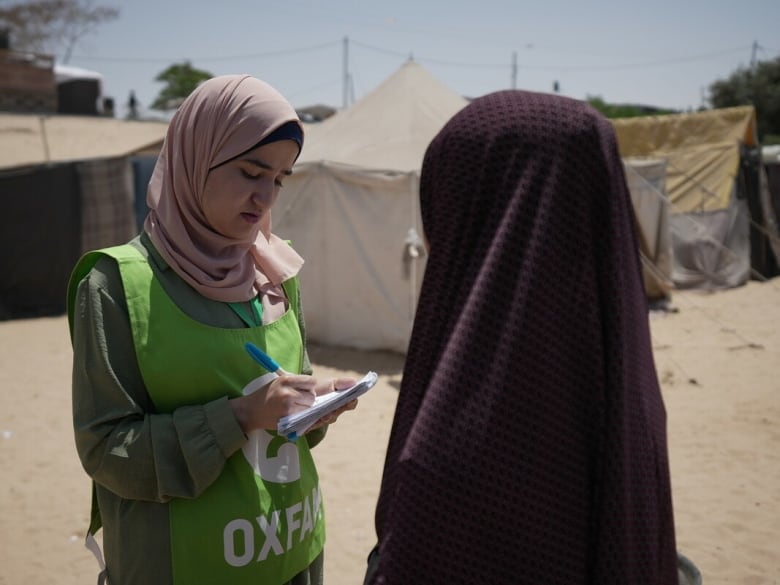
[(284, 394), (307, 391)]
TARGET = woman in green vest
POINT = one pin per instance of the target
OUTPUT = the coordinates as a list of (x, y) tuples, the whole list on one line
[(173, 420)]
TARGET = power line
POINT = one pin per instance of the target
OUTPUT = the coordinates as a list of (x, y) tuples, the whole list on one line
[(405, 54), (212, 58), (699, 57)]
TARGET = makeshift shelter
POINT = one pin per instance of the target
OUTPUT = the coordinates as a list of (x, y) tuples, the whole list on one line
[(66, 186), (718, 207), (351, 209)]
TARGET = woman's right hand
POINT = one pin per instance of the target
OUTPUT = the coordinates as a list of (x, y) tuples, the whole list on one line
[(284, 395)]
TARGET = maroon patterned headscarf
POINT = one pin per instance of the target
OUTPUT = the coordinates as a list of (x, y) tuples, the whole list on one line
[(529, 440)]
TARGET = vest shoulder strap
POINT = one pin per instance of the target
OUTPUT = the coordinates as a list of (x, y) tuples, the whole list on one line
[(121, 254)]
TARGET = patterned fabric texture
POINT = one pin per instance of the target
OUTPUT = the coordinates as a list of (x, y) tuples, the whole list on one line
[(107, 202), (529, 441)]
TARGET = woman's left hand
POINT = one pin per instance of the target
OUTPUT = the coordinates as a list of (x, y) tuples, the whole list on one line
[(334, 386)]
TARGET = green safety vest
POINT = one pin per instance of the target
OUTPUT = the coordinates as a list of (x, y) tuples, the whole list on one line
[(262, 520)]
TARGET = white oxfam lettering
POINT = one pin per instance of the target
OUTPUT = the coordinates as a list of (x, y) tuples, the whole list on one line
[(244, 531), (229, 542), (292, 522), (271, 538), (307, 525)]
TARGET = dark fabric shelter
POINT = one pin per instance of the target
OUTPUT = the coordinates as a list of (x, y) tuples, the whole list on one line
[(40, 239)]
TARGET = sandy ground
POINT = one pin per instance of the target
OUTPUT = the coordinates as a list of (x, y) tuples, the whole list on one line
[(717, 358)]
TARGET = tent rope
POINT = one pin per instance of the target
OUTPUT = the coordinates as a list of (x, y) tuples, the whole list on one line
[(696, 224), (771, 236), (659, 273)]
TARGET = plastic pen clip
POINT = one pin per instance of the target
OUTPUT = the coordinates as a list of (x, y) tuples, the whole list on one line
[(264, 359)]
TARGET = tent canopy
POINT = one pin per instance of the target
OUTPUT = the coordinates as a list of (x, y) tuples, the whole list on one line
[(68, 183), (390, 128), (702, 151), (29, 140)]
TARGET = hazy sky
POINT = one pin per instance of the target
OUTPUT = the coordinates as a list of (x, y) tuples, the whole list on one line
[(662, 52)]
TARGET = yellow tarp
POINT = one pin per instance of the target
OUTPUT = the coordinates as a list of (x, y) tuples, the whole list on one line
[(702, 151)]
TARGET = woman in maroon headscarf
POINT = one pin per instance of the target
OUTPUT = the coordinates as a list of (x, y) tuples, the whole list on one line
[(529, 440)]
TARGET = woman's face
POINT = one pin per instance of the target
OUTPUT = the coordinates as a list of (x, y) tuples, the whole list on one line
[(241, 191)]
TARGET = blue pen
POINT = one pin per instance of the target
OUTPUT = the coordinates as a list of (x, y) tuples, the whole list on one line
[(269, 364), (264, 359)]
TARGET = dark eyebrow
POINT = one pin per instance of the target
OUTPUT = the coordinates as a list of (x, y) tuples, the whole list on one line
[(263, 165)]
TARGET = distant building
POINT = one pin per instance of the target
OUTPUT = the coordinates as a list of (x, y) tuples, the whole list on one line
[(27, 82), (32, 83), (80, 91)]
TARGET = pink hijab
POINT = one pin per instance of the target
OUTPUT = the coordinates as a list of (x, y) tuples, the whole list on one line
[(224, 117)]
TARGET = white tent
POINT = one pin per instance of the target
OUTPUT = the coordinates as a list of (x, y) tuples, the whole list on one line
[(351, 210)]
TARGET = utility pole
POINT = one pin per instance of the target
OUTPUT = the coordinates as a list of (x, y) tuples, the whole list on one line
[(345, 65), (514, 65), (756, 46)]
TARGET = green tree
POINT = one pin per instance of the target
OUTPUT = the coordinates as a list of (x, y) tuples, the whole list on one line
[(50, 26), (180, 79), (624, 110), (758, 86)]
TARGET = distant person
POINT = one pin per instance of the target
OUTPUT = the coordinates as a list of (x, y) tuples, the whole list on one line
[(132, 106), (174, 422), (529, 441)]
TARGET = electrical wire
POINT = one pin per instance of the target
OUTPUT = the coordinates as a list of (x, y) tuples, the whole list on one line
[(407, 54), (212, 58)]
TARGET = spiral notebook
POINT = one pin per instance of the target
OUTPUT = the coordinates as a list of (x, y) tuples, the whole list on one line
[(294, 425)]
